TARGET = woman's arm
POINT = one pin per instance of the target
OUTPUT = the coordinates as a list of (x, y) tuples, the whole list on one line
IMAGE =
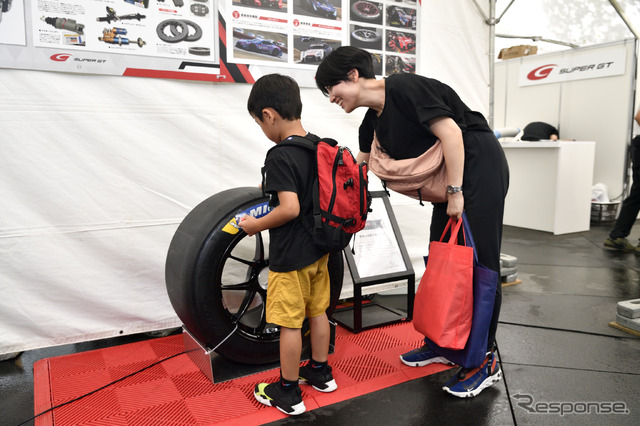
[(287, 210), (362, 156), (450, 135)]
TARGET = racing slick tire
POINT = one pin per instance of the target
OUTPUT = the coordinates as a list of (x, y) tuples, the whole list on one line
[(216, 279)]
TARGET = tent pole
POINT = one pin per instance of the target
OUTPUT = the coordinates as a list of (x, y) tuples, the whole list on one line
[(491, 21), (623, 15), (492, 60)]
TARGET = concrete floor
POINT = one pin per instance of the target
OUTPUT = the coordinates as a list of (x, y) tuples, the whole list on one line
[(557, 351)]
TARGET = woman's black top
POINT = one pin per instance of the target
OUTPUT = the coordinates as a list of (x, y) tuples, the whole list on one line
[(411, 101)]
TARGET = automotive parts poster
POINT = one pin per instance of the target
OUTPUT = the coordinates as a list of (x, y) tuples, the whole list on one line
[(149, 38), (234, 40)]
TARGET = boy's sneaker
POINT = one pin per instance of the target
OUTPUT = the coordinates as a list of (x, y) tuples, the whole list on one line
[(423, 356), (272, 394), (621, 244), (320, 378), (469, 383)]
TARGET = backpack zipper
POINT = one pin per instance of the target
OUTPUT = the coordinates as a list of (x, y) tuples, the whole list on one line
[(338, 161)]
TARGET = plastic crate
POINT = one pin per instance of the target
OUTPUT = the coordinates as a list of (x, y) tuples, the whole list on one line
[(604, 212)]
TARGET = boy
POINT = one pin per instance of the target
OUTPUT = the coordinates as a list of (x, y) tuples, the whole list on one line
[(298, 284)]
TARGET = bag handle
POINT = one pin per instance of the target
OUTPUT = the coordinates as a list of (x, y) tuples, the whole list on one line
[(455, 229), (467, 232)]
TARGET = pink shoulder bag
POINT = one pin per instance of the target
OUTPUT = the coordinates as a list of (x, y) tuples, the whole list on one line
[(423, 178)]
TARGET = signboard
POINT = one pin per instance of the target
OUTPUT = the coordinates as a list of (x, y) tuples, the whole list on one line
[(230, 40), (377, 253), (299, 33), (576, 66), (376, 247), (113, 37)]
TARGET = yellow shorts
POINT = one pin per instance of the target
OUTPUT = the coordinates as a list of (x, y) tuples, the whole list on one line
[(293, 295)]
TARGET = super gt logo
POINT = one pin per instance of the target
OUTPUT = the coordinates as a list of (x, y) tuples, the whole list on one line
[(60, 57), (541, 72)]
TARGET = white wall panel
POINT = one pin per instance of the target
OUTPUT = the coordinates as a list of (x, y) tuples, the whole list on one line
[(96, 173)]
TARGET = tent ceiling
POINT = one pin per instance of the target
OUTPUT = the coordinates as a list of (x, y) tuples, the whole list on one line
[(553, 25)]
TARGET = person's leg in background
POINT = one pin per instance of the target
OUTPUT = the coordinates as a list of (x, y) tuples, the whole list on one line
[(630, 207)]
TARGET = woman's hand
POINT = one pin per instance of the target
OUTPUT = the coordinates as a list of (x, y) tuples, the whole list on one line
[(455, 205)]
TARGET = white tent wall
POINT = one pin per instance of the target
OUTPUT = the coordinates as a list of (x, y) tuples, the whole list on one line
[(454, 43), (98, 171), (597, 109)]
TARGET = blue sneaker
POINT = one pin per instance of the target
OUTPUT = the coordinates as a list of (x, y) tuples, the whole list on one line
[(423, 356), (469, 383)]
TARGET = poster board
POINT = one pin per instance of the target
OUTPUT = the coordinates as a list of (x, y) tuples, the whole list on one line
[(111, 37), (206, 40)]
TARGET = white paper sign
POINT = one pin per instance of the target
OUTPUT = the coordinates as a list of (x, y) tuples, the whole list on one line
[(376, 248)]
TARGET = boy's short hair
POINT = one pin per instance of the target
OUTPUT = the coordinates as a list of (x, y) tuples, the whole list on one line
[(335, 67), (276, 91)]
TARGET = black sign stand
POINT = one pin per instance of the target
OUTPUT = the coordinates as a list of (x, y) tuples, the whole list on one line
[(380, 257)]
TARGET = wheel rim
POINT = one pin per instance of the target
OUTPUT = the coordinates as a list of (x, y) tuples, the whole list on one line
[(365, 35), (242, 282), (366, 9)]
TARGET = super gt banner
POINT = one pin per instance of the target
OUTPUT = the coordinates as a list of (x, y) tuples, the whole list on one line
[(577, 66), (233, 41)]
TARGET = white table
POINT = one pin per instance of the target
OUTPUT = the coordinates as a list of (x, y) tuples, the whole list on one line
[(550, 185)]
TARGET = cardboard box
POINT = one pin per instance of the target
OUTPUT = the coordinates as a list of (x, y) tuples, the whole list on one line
[(517, 51)]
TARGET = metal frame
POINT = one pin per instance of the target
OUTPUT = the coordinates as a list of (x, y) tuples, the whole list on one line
[(377, 314)]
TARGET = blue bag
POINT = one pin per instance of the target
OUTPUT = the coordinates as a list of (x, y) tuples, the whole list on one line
[(485, 282)]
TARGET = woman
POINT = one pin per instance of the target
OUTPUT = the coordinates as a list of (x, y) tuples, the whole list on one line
[(408, 113)]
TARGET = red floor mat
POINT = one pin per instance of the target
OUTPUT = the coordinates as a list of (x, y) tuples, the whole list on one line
[(176, 392)]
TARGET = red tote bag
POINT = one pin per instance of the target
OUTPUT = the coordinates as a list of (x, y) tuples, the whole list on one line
[(444, 300)]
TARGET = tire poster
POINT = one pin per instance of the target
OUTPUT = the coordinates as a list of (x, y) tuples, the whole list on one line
[(191, 39)]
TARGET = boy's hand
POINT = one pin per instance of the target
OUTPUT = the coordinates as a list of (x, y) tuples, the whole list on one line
[(248, 225), (288, 210)]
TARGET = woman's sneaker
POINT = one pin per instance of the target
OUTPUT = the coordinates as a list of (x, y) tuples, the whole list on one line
[(288, 401), (423, 356), (469, 383), (320, 378)]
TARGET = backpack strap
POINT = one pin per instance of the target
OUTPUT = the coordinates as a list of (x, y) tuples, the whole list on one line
[(303, 142)]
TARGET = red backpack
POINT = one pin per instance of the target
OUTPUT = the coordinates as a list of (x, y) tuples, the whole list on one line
[(341, 198)]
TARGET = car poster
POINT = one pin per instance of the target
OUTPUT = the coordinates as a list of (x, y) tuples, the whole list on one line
[(299, 33)]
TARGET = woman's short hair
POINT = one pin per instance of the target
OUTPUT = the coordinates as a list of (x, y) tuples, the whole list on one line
[(335, 67)]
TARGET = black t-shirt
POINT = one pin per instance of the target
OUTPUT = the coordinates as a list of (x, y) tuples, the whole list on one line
[(411, 101), (290, 169)]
